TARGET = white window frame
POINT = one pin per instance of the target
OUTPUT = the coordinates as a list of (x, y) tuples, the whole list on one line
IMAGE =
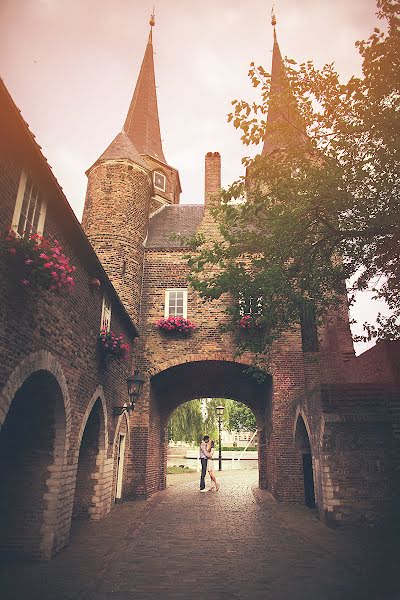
[(163, 189), (120, 469), (18, 208), (105, 322), (250, 305), (168, 292)]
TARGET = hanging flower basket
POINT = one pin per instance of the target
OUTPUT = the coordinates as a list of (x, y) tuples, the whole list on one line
[(113, 345), (178, 325), (39, 262)]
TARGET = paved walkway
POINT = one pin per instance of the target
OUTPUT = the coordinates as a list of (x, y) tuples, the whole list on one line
[(235, 544)]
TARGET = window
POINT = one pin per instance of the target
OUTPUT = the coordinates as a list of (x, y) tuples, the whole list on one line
[(176, 303), (250, 305), (30, 208), (160, 181), (106, 314)]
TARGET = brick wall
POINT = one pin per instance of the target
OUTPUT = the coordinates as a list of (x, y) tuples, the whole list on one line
[(57, 334)]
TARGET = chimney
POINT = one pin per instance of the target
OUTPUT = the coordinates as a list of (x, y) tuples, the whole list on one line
[(212, 179)]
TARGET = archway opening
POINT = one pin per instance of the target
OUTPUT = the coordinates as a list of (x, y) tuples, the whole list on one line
[(304, 449), (32, 440), (88, 465), (192, 420), (205, 379)]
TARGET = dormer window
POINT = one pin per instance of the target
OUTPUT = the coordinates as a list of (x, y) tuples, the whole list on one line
[(160, 181)]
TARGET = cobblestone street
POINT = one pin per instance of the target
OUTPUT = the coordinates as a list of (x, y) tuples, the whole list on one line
[(234, 544)]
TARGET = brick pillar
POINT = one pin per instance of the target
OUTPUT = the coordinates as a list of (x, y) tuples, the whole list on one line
[(212, 179)]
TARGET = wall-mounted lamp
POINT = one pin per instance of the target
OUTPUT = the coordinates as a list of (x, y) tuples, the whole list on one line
[(135, 384)]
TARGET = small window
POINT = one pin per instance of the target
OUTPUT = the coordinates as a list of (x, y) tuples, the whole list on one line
[(106, 314), (250, 305), (160, 181), (30, 208), (176, 303)]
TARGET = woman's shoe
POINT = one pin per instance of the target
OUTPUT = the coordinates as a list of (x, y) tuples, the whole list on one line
[(217, 488)]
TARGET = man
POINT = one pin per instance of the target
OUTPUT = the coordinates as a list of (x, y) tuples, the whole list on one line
[(204, 455)]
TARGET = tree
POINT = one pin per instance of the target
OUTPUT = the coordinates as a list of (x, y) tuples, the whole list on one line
[(319, 208), (186, 423), (239, 417)]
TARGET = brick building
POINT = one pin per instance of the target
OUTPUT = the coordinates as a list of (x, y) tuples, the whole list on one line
[(327, 422)]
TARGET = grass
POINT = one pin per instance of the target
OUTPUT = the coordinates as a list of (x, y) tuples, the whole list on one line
[(179, 469)]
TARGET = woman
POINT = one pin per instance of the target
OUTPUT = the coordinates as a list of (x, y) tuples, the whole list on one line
[(210, 467)]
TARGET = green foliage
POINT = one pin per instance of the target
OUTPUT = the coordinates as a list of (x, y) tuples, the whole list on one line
[(239, 417), (321, 208), (186, 423), (179, 469)]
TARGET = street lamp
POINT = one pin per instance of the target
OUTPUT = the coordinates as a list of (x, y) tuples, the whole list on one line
[(220, 412), (135, 384)]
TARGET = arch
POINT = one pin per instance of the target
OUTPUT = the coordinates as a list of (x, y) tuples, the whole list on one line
[(34, 440), (192, 358), (303, 445), (97, 395), (37, 361), (89, 459), (200, 376), (301, 413)]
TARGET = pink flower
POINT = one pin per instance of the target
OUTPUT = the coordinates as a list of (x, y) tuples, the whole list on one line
[(29, 261), (25, 282), (12, 251), (44, 256)]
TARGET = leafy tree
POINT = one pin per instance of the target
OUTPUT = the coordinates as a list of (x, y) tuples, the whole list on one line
[(239, 417), (322, 205)]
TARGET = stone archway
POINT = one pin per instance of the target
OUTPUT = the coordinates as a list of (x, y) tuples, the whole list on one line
[(88, 501), (32, 457), (179, 383), (302, 442)]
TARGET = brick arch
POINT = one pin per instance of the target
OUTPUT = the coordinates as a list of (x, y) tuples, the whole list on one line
[(37, 361), (97, 395), (53, 535), (91, 498), (189, 358)]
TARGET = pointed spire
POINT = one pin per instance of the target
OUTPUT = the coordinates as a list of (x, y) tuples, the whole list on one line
[(284, 123), (142, 123)]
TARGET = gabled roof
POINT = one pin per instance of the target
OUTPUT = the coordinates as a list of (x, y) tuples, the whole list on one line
[(284, 123), (173, 220), (142, 123)]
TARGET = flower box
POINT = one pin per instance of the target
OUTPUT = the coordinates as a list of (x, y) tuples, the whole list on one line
[(250, 322), (113, 345), (39, 262), (177, 325)]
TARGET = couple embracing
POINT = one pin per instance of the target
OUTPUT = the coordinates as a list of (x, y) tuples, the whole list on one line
[(207, 464)]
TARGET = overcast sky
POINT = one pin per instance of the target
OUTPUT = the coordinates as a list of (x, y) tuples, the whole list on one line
[(71, 67)]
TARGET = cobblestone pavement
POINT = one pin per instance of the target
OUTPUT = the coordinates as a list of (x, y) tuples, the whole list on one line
[(233, 544)]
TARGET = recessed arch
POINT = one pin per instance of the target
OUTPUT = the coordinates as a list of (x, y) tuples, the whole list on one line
[(302, 441), (33, 447), (90, 455)]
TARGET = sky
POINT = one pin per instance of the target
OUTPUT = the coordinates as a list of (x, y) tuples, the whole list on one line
[(71, 67)]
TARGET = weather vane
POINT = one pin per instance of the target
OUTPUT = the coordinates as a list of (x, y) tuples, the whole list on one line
[(273, 17), (153, 18)]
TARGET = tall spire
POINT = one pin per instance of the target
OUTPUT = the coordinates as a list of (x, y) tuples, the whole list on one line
[(284, 123), (142, 124)]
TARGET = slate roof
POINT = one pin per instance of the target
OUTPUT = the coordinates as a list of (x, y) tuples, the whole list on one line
[(142, 123), (173, 220), (122, 148)]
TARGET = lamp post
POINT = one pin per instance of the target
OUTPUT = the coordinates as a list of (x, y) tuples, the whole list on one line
[(220, 412), (135, 384)]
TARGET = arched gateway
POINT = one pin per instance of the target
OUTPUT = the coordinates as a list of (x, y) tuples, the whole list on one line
[(206, 379)]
